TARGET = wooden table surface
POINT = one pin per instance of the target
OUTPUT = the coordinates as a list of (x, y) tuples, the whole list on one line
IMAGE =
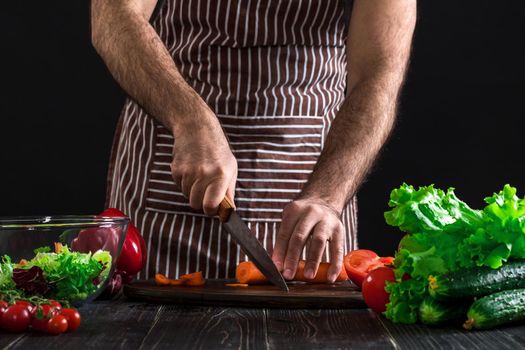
[(124, 324)]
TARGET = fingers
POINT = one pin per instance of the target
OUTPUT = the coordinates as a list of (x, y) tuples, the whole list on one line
[(283, 236), (316, 224), (296, 243), (215, 192), (231, 189), (336, 253), (316, 249), (197, 192), (205, 187)]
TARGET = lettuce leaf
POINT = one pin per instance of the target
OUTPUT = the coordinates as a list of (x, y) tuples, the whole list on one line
[(70, 275), (6, 273), (429, 209)]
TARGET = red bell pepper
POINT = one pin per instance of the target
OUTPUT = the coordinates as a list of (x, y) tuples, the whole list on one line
[(133, 255)]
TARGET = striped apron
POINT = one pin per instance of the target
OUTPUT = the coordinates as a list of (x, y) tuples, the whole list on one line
[(274, 72)]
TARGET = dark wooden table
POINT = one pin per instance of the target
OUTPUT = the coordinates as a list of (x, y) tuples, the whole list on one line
[(130, 325)]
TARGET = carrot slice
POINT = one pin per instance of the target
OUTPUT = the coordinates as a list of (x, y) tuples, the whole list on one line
[(236, 285), (247, 272), (191, 276), (58, 247), (177, 282), (22, 262), (194, 279), (161, 280)]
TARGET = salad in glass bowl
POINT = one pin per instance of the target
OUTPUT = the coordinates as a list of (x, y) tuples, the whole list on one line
[(65, 258)]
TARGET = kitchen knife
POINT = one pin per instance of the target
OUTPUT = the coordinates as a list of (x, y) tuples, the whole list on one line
[(233, 224)]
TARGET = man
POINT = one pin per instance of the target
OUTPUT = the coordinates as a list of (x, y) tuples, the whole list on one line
[(280, 105)]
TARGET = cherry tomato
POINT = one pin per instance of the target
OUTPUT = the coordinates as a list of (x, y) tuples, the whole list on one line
[(73, 318), (374, 288), (57, 325), (25, 303), (55, 304), (3, 306), (16, 318), (41, 316)]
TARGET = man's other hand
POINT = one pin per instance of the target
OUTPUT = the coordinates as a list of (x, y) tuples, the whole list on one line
[(314, 220)]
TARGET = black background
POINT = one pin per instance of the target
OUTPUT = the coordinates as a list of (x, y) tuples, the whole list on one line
[(460, 122)]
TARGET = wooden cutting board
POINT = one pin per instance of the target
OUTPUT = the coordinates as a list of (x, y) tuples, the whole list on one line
[(215, 292)]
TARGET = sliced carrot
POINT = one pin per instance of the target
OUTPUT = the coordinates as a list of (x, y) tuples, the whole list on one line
[(58, 247), (161, 280), (247, 272), (236, 285), (177, 282), (194, 279), (22, 262), (191, 276)]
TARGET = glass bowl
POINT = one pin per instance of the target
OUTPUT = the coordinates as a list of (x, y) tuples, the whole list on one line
[(79, 278)]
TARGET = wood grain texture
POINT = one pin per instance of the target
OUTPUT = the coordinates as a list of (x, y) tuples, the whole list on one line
[(207, 328), (8, 340), (452, 337), (129, 325), (301, 295), (326, 329)]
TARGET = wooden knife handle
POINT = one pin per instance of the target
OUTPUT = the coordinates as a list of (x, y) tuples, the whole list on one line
[(225, 209)]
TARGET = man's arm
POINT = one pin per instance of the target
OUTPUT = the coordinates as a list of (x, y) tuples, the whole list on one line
[(378, 49), (203, 164)]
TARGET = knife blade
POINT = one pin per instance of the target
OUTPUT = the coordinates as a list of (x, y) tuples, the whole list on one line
[(240, 232)]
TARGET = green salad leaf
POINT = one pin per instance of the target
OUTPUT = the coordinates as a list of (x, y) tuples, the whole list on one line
[(6, 274), (444, 234), (71, 276)]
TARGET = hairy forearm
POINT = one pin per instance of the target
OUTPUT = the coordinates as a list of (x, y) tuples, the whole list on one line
[(141, 64), (357, 134), (378, 50)]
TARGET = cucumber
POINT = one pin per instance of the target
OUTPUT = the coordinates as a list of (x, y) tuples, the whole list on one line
[(477, 282), (433, 312), (496, 309)]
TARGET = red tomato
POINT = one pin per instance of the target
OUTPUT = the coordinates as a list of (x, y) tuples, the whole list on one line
[(41, 316), (73, 318), (27, 304), (357, 262), (374, 288), (3, 306), (16, 318), (57, 325), (55, 304)]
